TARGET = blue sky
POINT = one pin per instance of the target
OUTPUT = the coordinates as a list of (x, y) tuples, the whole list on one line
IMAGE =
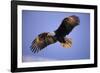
[(36, 22)]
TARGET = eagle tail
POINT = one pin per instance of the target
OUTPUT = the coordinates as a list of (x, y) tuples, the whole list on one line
[(67, 43)]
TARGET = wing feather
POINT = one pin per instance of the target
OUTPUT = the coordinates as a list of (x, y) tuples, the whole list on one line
[(42, 41)]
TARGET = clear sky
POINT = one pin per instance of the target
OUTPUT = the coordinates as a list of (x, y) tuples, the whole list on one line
[(36, 22)]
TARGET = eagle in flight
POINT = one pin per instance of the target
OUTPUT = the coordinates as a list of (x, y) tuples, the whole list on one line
[(47, 38)]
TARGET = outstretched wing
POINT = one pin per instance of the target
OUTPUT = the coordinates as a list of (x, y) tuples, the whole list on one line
[(42, 41)]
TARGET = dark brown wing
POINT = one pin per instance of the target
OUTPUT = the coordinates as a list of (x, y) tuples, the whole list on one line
[(42, 41)]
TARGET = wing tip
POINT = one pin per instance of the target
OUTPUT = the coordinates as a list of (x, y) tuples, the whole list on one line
[(34, 49)]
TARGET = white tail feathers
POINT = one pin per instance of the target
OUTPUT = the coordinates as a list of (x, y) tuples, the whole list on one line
[(68, 43)]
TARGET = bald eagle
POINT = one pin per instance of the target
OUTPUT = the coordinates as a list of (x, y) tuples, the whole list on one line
[(47, 38)]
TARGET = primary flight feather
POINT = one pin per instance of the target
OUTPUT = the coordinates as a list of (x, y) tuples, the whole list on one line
[(47, 38)]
